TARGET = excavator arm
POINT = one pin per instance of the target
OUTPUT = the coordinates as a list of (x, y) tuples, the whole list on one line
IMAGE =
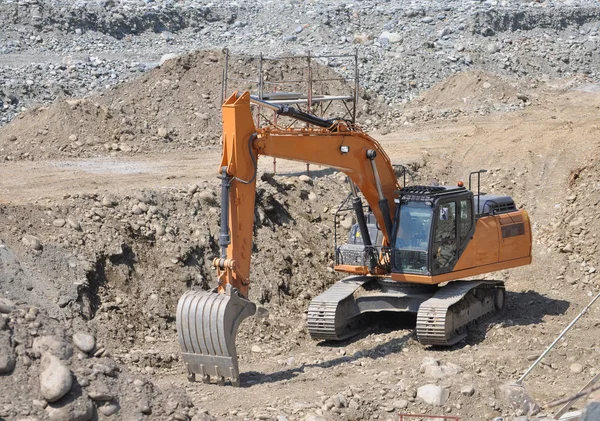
[(207, 322), (351, 151)]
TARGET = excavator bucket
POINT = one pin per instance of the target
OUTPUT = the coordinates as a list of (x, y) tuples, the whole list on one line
[(207, 323)]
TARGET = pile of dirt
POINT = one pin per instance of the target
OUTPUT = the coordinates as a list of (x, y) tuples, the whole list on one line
[(471, 92), (173, 107), (116, 266)]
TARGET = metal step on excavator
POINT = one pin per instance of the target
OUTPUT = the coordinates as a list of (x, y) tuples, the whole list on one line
[(406, 254)]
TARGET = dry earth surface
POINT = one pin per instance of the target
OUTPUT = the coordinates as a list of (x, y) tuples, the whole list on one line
[(109, 212)]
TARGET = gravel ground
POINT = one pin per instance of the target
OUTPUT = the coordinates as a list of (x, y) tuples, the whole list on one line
[(50, 49)]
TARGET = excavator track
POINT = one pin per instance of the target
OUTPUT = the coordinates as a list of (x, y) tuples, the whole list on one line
[(442, 320), (328, 312)]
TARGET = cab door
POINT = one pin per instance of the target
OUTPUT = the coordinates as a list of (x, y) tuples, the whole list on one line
[(444, 253)]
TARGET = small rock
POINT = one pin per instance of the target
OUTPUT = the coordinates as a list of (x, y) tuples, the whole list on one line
[(6, 306), (108, 408), (108, 202), (522, 97), (84, 341), (567, 249), (256, 348), (468, 390), (162, 132), (519, 399), (433, 394), (32, 242), (400, 404), (59, 223), (56, 379), (391, 37), (207, 196), (305, 178), (339, 401), (493, 47), (576, 368), (346, 223), (99, 391), (74, 224)]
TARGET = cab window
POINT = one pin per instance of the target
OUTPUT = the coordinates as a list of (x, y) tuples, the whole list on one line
[(466, 219), (444, 246)]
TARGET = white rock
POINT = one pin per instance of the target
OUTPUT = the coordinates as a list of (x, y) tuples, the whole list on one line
[(256, 348), (56, 379), (32, 242), (392, 37), (166, 57), (432, 394), (99, 391), (400, 404), (84, 341), (519, 398), (108, 408), (576, 368), (468, 390)]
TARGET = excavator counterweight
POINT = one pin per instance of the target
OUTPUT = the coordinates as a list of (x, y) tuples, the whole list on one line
[(411, 240)]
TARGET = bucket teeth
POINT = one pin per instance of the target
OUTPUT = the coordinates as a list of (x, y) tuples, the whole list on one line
[(207, 324)]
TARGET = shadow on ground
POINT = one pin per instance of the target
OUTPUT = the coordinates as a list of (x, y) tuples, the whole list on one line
[(521, 309)]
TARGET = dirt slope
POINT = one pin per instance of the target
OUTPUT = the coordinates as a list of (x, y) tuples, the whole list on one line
[(173, 107)]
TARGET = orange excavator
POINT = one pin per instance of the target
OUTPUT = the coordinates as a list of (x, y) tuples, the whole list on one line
[(405, 254)]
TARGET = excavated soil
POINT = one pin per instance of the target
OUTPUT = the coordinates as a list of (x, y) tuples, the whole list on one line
[(173, 107), (104, 239)]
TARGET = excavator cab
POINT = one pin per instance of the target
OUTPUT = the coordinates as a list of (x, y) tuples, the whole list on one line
[(433, 226)]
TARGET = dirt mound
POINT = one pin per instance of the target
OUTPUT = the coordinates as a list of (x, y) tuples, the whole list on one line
[(173, 107), (116, 266), (470, 92)]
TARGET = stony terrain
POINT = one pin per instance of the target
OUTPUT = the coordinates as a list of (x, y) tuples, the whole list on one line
[(109, 204), (51, 48)]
